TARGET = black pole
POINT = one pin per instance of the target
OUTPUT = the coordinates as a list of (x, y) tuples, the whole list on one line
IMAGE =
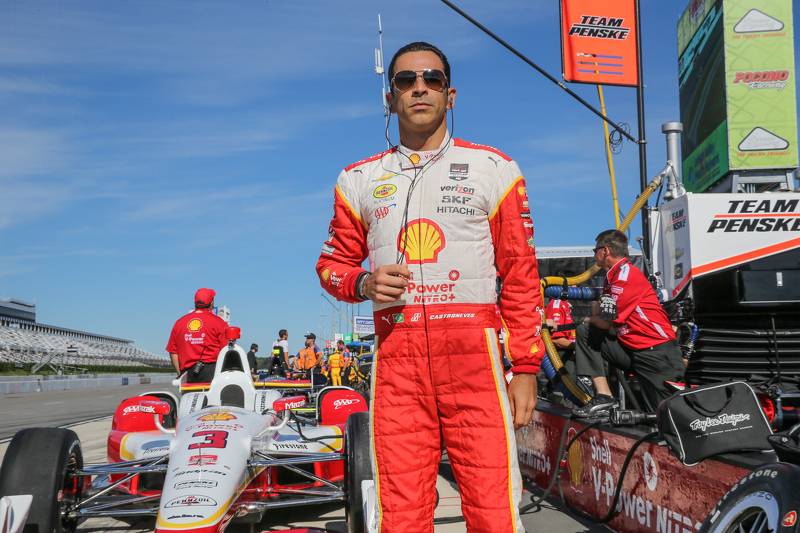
[(642, 142), (544, 73)]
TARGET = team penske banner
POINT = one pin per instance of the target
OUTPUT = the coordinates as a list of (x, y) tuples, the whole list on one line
[(598, 42), (705, 233)]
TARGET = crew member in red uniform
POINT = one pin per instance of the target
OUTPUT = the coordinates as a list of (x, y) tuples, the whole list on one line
[(434, 215), (557, 313), (197, 338), (644, 342)]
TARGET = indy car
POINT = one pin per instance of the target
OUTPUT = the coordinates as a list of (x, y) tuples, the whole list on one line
[(223, 452)]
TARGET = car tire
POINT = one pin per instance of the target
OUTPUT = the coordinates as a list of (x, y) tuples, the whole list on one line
[(766, 499), (357, 468), (43, 462)]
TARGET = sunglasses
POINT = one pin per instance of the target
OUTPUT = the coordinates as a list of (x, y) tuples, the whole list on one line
[(595, 250), (434, 79)]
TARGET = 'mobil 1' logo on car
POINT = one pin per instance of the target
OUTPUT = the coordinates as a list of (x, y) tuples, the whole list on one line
[(384, 190)]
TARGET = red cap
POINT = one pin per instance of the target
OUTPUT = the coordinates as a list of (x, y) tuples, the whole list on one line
[(203, 297)]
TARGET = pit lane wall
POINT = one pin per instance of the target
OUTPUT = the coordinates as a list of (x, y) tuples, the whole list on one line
[(658, 495), (20, 384)]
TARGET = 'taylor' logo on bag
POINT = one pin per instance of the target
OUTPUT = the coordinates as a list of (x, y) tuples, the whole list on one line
[(721, 420)]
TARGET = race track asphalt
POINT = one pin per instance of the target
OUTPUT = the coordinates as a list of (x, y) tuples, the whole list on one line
[(60, 408)]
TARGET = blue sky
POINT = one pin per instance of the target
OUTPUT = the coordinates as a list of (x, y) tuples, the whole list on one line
[(151, 148)]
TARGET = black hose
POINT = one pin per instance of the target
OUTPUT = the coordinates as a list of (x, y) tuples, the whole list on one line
[(612, 511), (537, 502)]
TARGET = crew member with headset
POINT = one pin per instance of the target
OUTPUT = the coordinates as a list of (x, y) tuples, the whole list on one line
[(197, 338)]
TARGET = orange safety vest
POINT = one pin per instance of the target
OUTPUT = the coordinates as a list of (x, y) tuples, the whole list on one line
[(307, 358)]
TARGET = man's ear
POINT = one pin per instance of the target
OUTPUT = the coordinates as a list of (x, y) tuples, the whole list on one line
[(390, 101), (451, 97)]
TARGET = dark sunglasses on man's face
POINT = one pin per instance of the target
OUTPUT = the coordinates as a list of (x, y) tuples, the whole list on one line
[(434, 79)]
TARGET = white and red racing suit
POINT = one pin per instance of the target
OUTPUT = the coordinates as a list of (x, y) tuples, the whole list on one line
[(437, 375)]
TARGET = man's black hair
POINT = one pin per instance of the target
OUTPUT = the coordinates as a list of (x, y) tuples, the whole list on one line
[(254, 346), (281, 333), (616, 241), (419, 46)]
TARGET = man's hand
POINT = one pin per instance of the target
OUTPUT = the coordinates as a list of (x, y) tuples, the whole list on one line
[(387, 283), (522, 397), (608, 308)]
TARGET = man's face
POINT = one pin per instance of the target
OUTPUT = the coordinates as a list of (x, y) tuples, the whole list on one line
[(420, 108), (309, 342), (600, 255)]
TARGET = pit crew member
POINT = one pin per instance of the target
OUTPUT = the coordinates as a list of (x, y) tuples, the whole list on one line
[(197, 338), (644, 341)]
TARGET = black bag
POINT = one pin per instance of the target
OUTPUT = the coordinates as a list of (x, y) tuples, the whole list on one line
[(704, 421)]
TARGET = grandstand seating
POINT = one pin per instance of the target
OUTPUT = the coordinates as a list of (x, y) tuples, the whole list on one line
[(26, 346)]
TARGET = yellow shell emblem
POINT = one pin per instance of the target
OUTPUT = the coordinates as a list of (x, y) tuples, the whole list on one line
[(217, 416), (414, 159), (195, 324), (421, 241), (575, 463), (325, 274), (521, 190)]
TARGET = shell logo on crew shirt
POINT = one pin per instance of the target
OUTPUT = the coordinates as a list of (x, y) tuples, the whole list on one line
[(217, 416), (326, 274), (384, 190), (421, 241), (414, 158), (195, 324)]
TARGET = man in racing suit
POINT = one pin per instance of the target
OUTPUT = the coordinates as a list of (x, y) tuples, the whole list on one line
[(435, 215)]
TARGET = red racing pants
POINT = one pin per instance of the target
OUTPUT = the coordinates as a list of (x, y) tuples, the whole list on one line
[(438, 379)]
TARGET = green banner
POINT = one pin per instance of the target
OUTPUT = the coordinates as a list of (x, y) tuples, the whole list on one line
[(760, 84), (708, 162)]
